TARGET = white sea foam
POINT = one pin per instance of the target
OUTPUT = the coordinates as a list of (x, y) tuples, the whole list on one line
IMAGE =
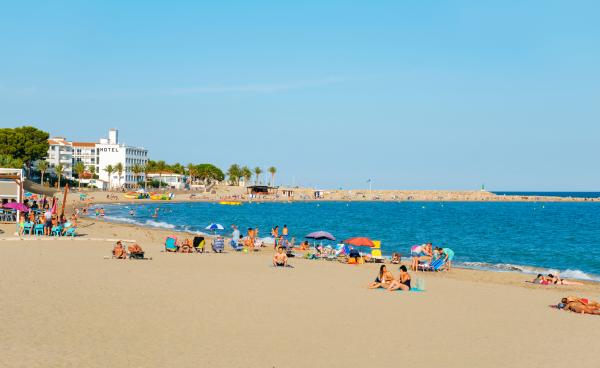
[(122, 219), (164, 225), (507, 267)]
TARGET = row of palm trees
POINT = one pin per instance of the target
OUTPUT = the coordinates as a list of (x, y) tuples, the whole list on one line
[(235, 173)]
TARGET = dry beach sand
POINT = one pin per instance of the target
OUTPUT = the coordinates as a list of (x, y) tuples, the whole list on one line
[(64, 305)]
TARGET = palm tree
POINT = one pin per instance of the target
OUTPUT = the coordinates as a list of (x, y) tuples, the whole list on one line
[(246, 174), (119, 169), (92, 170), (79, 168), (272, 170), (161, 167), (234, 174), (42, 166), (136, 169), (257, 172), (145, 169), (59, 170), (109, 169)]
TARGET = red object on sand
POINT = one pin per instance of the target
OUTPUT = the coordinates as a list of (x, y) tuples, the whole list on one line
[(360, 242)]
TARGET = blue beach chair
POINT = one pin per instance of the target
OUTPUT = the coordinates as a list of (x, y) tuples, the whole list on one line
[(171, 244), (70, 232), (433, 266), (56, 230), (237, 247), (38, 229)]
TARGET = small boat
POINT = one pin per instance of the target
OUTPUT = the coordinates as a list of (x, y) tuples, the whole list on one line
[(231, 203)]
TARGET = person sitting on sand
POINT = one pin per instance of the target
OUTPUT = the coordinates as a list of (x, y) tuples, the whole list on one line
[(403, 282), (556, 280), (119, 251), (383, 279), (280, 258), (579, 308), (396, 258), (305, 245)]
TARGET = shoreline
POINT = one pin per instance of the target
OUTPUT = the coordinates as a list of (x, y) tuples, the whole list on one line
[(491, 267)]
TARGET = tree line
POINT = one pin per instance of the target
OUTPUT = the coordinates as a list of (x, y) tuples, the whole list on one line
[(235, 173)]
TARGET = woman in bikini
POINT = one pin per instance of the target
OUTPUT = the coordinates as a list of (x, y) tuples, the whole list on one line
[(383, 279), (403, 282)]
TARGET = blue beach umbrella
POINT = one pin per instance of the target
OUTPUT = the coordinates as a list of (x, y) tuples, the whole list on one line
[(215, 227)]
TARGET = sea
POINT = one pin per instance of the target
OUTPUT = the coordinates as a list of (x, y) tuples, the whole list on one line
[(529, 237)]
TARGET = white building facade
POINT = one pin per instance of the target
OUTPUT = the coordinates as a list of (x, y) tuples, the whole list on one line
[(108, 151), (111, 152), (173, 181), (60, 151)]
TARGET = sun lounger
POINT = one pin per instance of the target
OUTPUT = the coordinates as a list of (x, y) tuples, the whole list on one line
[(171, 244), (199, 242), (434, 265), (218, 245), (237, 247)]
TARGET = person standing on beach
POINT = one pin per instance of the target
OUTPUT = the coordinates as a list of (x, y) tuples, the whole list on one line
[(235, 235), (284, 232), (447, 255)]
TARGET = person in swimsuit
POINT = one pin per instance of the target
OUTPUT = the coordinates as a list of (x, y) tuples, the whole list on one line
[(383, 279), (284, 232), (396, 258), (135, 250), (584, 301), (119, 251), (21, 223), (280, 259), (447, 255), (403, 282), (556, 280), (420, 253), (541, 280), (579, 308)]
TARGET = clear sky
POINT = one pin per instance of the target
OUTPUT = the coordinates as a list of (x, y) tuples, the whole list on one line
[(412, 94)]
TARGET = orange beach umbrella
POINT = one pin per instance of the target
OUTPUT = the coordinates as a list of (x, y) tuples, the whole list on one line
[(360, 242)]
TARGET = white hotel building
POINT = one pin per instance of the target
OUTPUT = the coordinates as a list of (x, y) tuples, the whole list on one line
[(108, 151)]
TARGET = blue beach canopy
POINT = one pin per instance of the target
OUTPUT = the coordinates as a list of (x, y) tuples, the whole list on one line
[(214, 227)]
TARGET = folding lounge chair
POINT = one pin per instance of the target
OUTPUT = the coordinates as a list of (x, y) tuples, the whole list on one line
[(236, 246), (218, 245), (171, 244), (432, 266), (199, 244)]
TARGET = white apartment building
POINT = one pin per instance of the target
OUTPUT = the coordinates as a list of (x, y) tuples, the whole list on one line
[(60, 151), (111, 152), (108, 151), (173, 181), (87, 153)]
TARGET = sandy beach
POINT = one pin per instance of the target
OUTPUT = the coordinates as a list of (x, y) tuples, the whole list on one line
[(65, 305)]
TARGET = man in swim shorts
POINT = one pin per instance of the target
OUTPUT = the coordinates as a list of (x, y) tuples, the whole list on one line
[(447, 255), (280, 258)]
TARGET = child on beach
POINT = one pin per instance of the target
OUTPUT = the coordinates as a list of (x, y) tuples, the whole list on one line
[(280, 258)]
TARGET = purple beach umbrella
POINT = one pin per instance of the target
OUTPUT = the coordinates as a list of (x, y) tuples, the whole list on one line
[(320, 235), (16, 206)]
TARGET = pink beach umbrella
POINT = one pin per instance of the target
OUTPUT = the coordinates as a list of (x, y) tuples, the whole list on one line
[(16, 206)]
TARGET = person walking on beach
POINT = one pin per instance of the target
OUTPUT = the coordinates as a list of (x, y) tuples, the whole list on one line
[(275, 235)]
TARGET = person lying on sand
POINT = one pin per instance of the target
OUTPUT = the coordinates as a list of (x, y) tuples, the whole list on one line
[(556, 280), (119, 251), (135, 249), (383, 279), (280, 258), (584, 301), (541, 280), (579, 308), (403, 282)]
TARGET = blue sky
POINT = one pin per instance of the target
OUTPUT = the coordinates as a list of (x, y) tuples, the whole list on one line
[(413, 94)]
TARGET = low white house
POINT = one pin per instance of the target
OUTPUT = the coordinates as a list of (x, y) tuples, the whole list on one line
[(173, 181)]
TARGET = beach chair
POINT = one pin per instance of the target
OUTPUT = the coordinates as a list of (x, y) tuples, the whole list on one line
[(38, 229), (376, 255), (136, 255), (171, 244), (218, 245), (70, 232), (237, 247), (433, 266), (198, 243), (56, 230), (27, 228)]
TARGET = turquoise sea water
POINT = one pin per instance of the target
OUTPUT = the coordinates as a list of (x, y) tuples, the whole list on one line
[(527, 237)]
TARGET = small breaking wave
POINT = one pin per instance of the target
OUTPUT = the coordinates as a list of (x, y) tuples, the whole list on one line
[(507, 267), (160, 224), (126, 220)]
